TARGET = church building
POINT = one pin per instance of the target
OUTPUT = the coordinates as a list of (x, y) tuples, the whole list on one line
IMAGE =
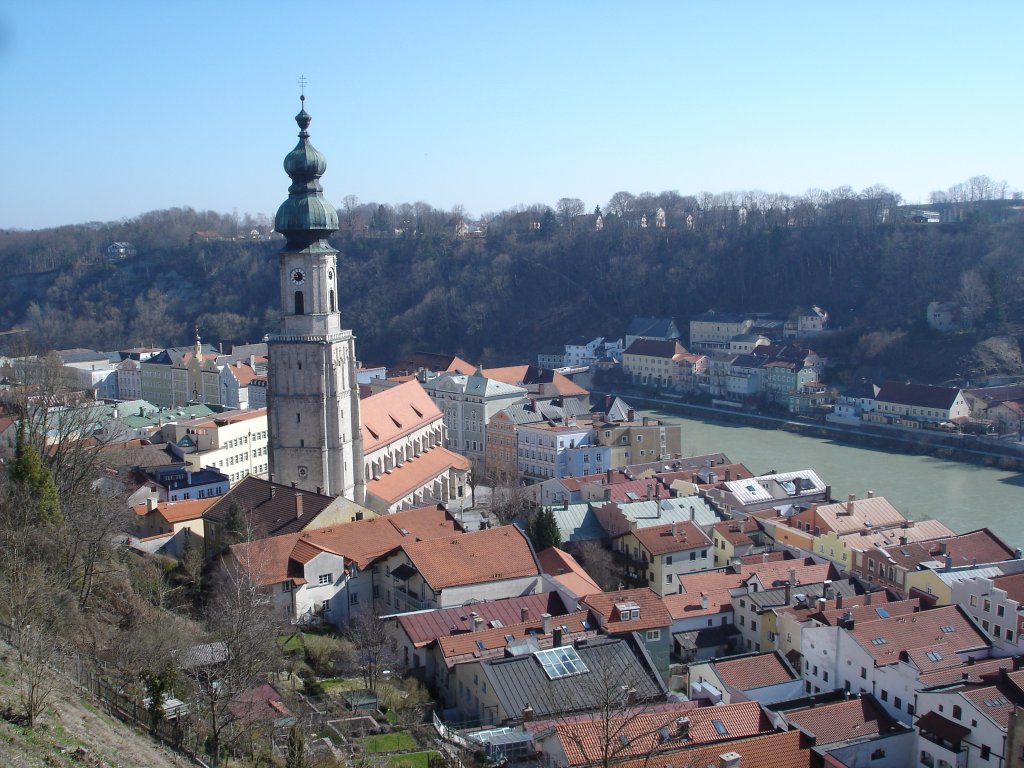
[(318, 443)]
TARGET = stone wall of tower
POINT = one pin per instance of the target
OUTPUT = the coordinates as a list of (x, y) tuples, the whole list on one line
[(313, 407)]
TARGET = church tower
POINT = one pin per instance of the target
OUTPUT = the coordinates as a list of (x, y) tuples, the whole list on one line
[(313, 396)]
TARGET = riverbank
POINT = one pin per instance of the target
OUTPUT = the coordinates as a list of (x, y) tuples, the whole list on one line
[(963, 448)]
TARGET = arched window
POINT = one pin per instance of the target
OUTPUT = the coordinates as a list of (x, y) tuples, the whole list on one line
[(331, 297), (300, 303)]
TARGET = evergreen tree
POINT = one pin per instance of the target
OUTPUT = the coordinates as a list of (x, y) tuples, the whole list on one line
[(28, 472), (543, 530)]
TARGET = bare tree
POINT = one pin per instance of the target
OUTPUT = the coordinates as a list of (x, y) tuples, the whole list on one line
[(621, 203), (241, 652), (598, 563), (973, 296), (568, 208), (376, 651)]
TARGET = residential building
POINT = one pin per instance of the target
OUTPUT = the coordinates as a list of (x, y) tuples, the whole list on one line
[(334, 573), (655, 328), (918, 405), (649, 362), (766, 678), (780, 491), (888, 655), (233, 442), (178, 482), (467, 404), (657, 556), (639, 613), (483, 565), (996, 603), (713, 330), (259, 509), (168, 527), (533, 684)]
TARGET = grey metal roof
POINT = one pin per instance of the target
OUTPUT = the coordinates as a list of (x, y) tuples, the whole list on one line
[(648, 514), (521, 682), (770, 598), (578, 523)]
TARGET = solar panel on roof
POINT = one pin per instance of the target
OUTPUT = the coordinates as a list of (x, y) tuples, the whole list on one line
[(561, 662), (882, 613)]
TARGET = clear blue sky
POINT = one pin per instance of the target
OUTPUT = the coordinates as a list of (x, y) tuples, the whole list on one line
[(115, 108)]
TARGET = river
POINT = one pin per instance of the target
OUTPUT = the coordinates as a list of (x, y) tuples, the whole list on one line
[(963, 496)]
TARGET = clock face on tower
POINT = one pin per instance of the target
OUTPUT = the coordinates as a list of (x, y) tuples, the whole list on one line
[(298, 276)]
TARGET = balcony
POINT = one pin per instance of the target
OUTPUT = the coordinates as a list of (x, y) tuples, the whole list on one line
[(406, 601)]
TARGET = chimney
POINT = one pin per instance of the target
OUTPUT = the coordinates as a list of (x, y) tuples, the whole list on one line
[(298, 505), (846, 620), (556, 637), (942, 547), (524, 615), (789, 592), (728, 474), (683, 727), (675, 530), (650, 491), (903, 541), (826, 589), (849, 503), (609, 474), (630, 414), (949, 563), (527, 713), (792, 576), (871, 494), (657, 489), (565, 505), (151, 503), (359, 515), (273, 491), (867, 598), (703, 601), (477, 621), (545, 623), (839, 600), (729, 760)]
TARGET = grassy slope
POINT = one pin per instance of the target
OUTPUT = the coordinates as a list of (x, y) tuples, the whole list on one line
[(71, 722)]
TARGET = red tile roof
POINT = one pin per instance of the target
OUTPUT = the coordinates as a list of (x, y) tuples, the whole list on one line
[(947, 627), (583, 739), (393, 486), (673, 537), (975, 673), (841, 721), (423, 627), (563, 567), (488, 643), (750, 672), (494, 554), (394, 412), (993, 703), (177, 511), (773, 750), (980, 546), (653, 613), (1013, 585), (361, 541)]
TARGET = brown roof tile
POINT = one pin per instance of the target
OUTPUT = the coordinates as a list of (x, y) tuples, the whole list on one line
[(674, 537), (361, 541), (488, 643), (473, 558), (394, 412), (947, 627), (750, 672), (393, 486), (773, 750), (423, 627), (653, 613), (841, 721)]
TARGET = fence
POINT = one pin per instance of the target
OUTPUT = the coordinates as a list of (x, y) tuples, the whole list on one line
[(175, 733)]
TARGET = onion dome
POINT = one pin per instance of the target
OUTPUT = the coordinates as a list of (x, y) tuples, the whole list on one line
[(306, 217)]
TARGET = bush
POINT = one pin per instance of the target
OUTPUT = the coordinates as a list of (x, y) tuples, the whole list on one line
[(326, 654)]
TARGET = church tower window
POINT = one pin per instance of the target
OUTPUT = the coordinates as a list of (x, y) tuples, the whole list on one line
[(300, 303)]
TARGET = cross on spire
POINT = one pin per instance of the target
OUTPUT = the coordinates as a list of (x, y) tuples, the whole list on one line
[(302, 87)]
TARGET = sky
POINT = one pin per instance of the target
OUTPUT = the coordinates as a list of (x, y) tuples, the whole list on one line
[(113, 109)]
